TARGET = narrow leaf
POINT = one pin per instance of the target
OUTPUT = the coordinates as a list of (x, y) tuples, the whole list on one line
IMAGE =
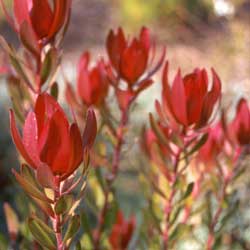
[(29, 188), (189, 190), (12, 221), (42, 233), (45, 176), (73, 227), (64, 204)]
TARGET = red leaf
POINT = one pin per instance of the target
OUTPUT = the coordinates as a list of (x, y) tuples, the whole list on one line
[(90, 130), (45, 176), (18, 141)]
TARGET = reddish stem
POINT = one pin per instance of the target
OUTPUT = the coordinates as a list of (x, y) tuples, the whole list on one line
[(57, 220), (112, 177), (169, 205), (211, 235)]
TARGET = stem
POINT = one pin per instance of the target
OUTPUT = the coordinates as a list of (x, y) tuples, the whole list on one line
[(112, 177), (169, 205), (57, 220), (211, 235)]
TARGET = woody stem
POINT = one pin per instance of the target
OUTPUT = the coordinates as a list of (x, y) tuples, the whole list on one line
[(57, 220)]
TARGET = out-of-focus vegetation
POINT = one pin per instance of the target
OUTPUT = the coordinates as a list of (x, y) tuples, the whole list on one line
[(194, 34)]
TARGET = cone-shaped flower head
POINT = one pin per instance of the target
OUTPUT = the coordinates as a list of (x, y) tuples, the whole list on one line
[(189, 102), (46, 19), (49, 139), (129, 58)]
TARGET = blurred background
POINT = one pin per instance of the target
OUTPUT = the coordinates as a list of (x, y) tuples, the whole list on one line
[(197, 33)]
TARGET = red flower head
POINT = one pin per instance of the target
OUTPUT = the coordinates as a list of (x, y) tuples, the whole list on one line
[(129, 59), (49, 139), (121, 233), (189, 102), (92, 84), (239, 129), (44, 20), (214, 145)]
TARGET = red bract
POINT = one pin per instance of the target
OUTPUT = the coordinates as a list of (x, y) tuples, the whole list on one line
[(49, 139), (129, 58), (44, 20), (239, 129), (92, 84), (188, 101), (214, 145), (121, 233)]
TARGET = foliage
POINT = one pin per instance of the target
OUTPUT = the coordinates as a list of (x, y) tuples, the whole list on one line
[(193, 155)]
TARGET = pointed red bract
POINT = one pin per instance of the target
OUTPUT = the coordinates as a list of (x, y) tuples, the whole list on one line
[(92, 84), (49, 140), (45, 19), (129, 58), (189, 102), (90, 130), (122, 232), (21, 11), (41, 17)]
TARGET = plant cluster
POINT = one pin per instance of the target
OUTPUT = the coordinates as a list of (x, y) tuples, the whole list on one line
[(193, 152)]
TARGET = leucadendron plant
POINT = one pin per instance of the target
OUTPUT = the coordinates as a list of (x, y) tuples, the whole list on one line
[(188, 159), (53, 150)]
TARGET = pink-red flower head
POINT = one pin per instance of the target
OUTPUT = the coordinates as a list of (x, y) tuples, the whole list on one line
[(132, 58), (46, 20), (92, 84), (122, 232), (129, 58), (49, 139), (239, 129), (189, 102)]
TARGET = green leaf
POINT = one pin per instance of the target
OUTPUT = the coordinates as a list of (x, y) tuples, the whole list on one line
[(78, 246), (3, 242), (31, 189), (175, 215), (47, 66), (19, 69), (28, 38), (54, 90), (189, 191), (100, 179), (15, 92), (86, 226), (73, 227), (28, 174), (42, 233), (160, 135), (64, 204), (111, 214), (179, 232), (45, 206), (198, 145)]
